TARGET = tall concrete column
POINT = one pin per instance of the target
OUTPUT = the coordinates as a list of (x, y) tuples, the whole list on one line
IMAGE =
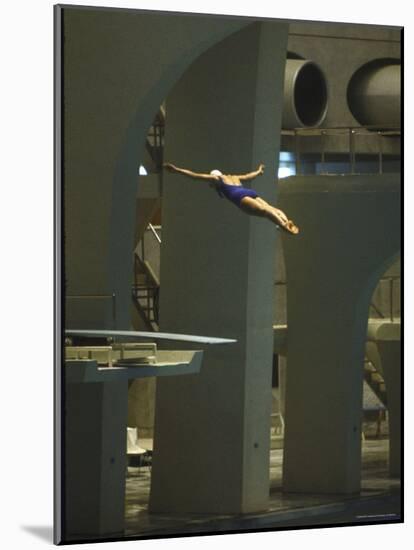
[(211, 446), (350, 232)]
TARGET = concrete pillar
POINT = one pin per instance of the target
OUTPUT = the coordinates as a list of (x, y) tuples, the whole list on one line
[(95, 459), (141, 406), (350, 233), (211, 447)]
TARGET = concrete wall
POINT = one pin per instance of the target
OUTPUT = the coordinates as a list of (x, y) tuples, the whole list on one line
[(332, 45), (112, 90), (348, 46)]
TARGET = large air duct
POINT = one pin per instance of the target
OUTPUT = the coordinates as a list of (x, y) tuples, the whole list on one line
[(374, 94), (306, 96)]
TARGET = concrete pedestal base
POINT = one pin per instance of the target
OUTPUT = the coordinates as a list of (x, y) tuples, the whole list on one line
[(95, 459), (96, 410)]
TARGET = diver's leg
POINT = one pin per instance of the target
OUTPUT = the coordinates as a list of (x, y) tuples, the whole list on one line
[(259, 207), (253, 206), (273, 213)]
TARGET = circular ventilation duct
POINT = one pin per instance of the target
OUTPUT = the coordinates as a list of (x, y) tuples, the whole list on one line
[(374, 94), (305, 95)]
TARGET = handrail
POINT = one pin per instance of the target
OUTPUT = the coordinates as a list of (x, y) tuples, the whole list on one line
[(377, 310), (152, 284), (391, 279), (154, 232), (385, 130), (142, 241), (374, 132), (152, 290)]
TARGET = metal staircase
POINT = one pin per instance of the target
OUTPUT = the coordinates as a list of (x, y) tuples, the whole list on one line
[(154, 144), (146, 285), (145, 294)]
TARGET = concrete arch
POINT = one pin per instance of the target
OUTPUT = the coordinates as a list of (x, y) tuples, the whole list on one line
[(125, 186), (119, 66), (350, 231)]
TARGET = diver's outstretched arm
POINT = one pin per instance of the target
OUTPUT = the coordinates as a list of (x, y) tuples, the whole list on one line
[(252, 175), (190, 173)]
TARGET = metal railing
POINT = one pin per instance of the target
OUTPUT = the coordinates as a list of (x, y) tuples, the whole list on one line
[(350, 133), (157, 237), (146, 293), (153, 231), (391, 280)]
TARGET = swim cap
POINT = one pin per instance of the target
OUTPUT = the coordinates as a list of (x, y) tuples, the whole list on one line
[(216, 173)]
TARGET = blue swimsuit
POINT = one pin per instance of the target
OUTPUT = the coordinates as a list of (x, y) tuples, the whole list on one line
[(235, 193)]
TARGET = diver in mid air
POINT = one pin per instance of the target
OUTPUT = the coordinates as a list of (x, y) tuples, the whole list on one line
[(247, 200)]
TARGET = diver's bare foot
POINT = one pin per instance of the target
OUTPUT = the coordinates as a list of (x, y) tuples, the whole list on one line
[(283, 222), (290, 227)]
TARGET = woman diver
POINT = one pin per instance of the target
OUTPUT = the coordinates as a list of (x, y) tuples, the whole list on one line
[(230, 187)]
